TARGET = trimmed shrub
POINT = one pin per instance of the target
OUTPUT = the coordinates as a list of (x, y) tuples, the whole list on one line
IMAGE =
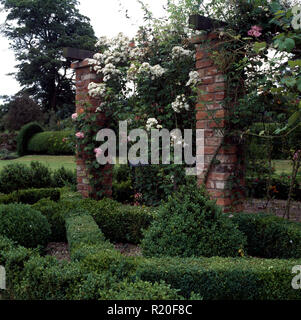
[(40, 175), (63, 177), (269, 236), (15, 176), (30, 196), (51, 142), (224, 278), (122, 223), (55, 214), (25, 135), (24, 225), (18, 176), (190, 224)]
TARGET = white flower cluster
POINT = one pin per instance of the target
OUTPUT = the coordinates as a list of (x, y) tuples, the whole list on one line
[(132, 72), (137, 53), (97, 89), (180, 103), (194, 78), (151, 122), (156, 71), (179, 52), (109, 71)]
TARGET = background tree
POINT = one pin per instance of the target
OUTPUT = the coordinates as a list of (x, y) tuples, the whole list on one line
[(38, 30), (21, 110)]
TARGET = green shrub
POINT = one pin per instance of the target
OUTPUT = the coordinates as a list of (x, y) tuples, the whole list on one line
[(50, 142), (82, 229), (25, 134), (18, 176), (30, 196), (15, 176), (40, 175), (63, 177), (269, 236), (55, 214), (122, 223), (224, 278), (139, 290), (123, 191), (190, 224), (24, 225)]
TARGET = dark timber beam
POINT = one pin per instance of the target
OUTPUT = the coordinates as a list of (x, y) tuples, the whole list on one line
[(198, 22), (77, 54)]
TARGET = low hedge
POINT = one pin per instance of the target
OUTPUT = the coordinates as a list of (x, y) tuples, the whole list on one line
[(119, 223), (269, 236), (25, 134), (30, 196), (26, 226), (224, 278), (51, 142)]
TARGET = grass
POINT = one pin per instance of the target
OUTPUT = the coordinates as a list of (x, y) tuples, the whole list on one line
[(53, 162), (282, 166)]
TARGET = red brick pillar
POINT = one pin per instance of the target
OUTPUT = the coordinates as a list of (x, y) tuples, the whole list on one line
[(221, 175), (102, 176)]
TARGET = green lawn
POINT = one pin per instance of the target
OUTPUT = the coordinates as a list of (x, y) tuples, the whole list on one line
[(283, 166), (53, 162)]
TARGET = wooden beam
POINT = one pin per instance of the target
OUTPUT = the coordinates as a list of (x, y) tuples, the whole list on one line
[(198, 22), (77, 54)]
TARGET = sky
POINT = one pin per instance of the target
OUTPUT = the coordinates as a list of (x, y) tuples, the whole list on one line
[(107, 19)]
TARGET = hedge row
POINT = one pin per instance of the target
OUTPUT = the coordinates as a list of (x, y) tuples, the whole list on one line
[(51, 142), (224, 278), (30, 196), (269, 236), (119, 223)]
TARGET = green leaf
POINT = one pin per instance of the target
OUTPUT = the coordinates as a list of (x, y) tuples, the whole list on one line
[(299, 84), (289, 81), (295, 63), (294, 118), (259, 46), (285, 44)]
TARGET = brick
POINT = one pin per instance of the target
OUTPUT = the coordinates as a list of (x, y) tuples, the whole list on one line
[(219, 96), (224, 202), (200, 64), (211, 71), (219, 176), (216, 87), (209, 150)]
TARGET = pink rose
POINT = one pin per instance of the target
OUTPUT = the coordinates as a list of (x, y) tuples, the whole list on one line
[(80, 135), (255, 31), (98, 151), (74, 116)]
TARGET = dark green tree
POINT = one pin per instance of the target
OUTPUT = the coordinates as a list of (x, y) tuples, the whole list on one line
[(38, 30)]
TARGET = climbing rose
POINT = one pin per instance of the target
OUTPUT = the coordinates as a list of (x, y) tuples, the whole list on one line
[(80, 135), (74, 116), (98, 151), (255, 31)]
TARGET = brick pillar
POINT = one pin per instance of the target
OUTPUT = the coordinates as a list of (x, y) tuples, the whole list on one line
[(211, 116), (103, 175)]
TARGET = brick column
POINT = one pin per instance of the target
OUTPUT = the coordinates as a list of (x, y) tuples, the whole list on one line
[(211, 116), (103, 176)]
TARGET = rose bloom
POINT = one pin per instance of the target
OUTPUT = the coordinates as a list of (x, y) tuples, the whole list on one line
[(74, 116), (80, 135), (255, 31)]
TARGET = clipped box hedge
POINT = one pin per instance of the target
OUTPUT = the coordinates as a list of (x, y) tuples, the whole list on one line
[(224, 278), (30, 196), (50, 142)]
